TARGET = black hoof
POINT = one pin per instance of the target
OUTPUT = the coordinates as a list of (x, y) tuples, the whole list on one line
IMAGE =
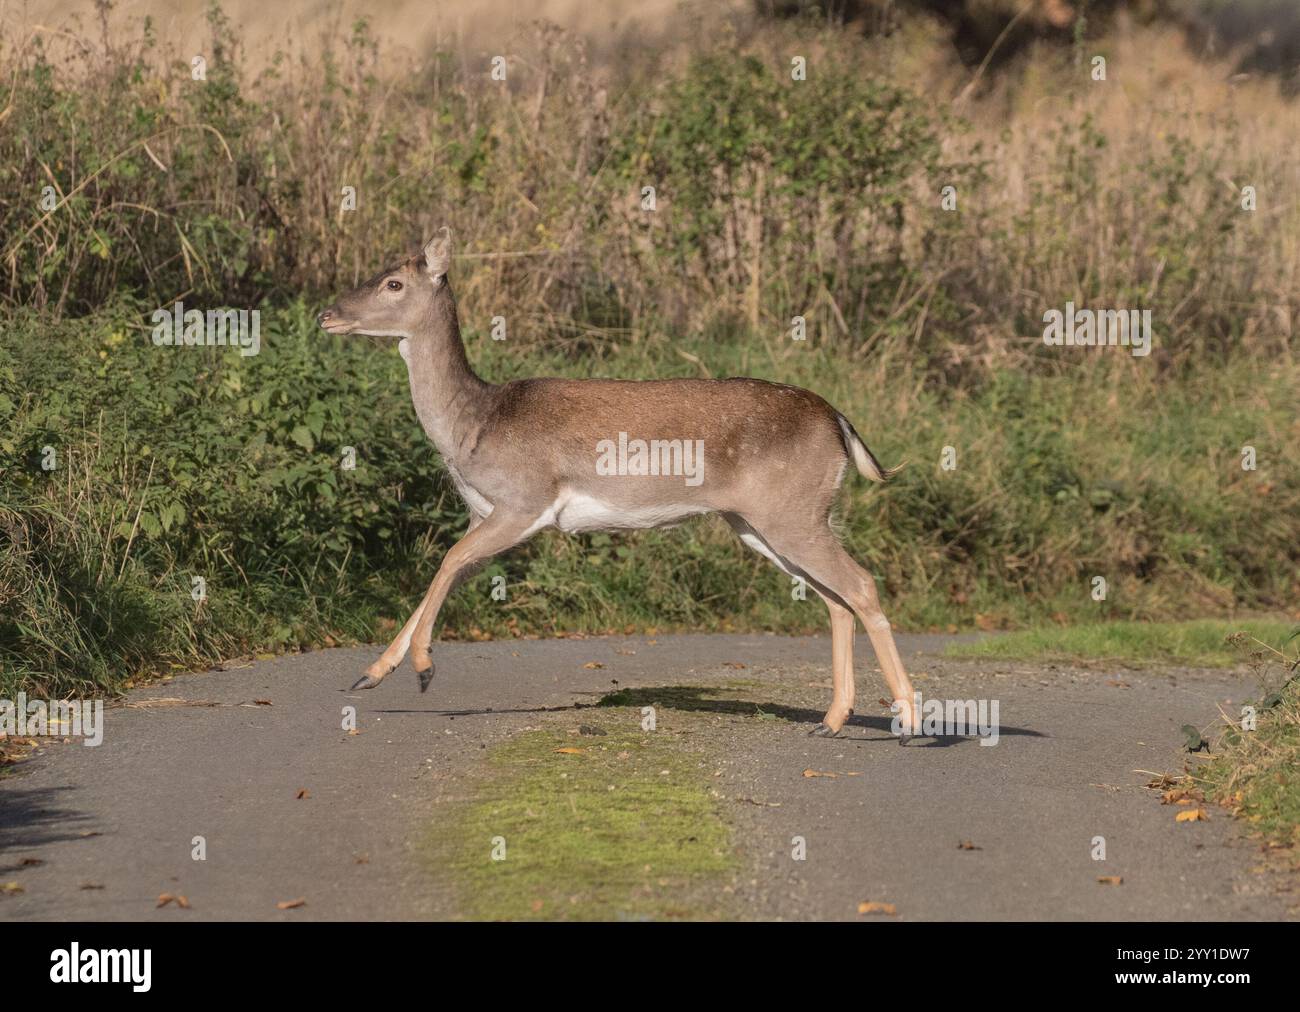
[(425, 678), (823, 730), (364, 682), (903, 739)]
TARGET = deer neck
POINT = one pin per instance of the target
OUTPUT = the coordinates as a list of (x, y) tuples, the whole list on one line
[(450, 399)]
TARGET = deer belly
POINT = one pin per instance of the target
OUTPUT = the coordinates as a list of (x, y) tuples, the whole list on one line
[(578, 512)]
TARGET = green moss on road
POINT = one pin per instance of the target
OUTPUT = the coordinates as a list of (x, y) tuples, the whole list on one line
[(625, 827)]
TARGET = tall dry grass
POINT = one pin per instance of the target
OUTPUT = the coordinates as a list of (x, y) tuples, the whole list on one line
[(775, 199)]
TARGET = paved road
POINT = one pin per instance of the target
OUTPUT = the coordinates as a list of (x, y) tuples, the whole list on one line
[(114, 826)]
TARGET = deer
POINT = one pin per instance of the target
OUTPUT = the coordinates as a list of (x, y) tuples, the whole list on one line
[(536, 453)]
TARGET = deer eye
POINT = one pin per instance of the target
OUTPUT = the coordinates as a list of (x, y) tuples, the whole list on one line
[(394, 286)]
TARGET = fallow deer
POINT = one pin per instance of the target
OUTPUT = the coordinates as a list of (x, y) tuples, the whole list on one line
[(525, 455)]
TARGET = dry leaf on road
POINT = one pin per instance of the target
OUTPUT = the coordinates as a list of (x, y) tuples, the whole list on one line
[(878, 908)]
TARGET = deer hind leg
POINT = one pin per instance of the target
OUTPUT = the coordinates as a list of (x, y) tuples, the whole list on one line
[(841, 630), (817, 553), (841, 670)]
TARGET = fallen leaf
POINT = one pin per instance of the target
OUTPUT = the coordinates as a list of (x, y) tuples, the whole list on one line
[(291, 904), (263, 702), (571, 751), (593, 665), (734, 664), (31, 862), (303, 793), (967, 845), (92, 885), (1111, 880), (11, 887), (877, 908), (179, 900), (353, 730), (1191, 815)]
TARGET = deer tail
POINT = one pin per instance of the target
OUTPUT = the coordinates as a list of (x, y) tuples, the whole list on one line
[(865, 461)]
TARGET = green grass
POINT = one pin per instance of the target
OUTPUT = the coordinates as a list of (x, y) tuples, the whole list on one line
[(1257, 772), (1199, 643), (172, 466), (625, 830)]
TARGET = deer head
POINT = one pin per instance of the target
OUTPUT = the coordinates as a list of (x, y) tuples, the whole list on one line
[(399, 301)]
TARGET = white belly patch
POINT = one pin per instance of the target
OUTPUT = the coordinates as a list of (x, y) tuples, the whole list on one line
[(574, 512)]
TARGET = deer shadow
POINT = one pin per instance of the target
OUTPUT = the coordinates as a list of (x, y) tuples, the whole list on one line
[(700, 698)]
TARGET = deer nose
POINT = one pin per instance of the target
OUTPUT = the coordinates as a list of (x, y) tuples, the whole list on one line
[(323, 315)]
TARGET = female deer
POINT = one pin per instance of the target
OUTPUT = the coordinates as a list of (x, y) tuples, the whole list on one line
[(535, 453)]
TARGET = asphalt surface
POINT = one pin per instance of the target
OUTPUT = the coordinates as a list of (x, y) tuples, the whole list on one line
[(99, 833)]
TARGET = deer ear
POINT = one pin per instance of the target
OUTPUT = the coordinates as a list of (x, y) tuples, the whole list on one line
[(437, 255)]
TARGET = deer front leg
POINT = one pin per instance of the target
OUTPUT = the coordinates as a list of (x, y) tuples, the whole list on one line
[(396, 650), (500, 531)]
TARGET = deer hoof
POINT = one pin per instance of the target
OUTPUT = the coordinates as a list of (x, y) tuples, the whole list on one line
[(364, 682), (425, 678), (823, 730)]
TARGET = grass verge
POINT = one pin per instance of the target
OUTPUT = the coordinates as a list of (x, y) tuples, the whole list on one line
[(617, 826), (1256, 772), (1202, 643)]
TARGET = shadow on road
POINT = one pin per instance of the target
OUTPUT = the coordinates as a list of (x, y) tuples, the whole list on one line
[(699, 698), (31, 818)]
